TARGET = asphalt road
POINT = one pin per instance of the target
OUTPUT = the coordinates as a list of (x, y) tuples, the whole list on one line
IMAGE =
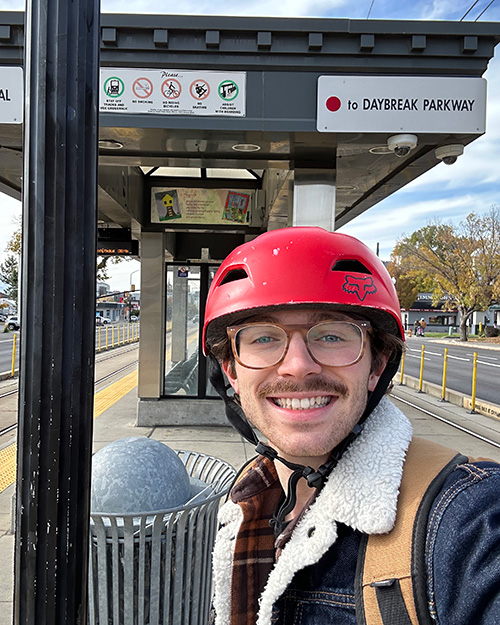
[(459, 367), (116, 334)]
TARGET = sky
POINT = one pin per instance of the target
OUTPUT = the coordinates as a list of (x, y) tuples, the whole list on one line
[(448, 193)]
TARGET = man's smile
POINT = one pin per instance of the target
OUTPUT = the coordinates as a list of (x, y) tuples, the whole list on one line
[(302, 403)]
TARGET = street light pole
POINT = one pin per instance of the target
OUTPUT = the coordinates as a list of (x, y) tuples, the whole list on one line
[(130, 282)]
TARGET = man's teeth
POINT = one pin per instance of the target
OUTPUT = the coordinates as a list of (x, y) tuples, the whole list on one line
[(306, 403)]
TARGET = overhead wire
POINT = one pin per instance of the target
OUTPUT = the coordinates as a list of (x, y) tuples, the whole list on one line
[(484, 10), (370, 9), (469, 10)]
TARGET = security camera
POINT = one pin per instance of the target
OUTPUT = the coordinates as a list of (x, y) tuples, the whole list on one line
[(402, 145), (449, 153)]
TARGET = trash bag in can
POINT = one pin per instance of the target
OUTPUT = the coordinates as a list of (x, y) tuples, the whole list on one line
[(153, 566)]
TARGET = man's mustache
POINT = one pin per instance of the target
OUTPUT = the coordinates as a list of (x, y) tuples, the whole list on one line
[(319, 384)]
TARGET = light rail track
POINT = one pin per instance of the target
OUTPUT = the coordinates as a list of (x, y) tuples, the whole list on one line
[(102, 356), (111, 375), (12, 427), (8, 393), (482, 438)]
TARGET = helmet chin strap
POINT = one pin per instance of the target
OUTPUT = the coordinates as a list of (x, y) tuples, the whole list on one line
[(314, 478)]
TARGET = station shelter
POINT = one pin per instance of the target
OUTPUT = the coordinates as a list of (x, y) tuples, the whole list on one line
[(216, 129)]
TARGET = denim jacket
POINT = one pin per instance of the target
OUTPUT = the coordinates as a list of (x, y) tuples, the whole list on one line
[(313, 580)]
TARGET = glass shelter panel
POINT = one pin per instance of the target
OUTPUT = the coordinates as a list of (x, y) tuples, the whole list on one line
[(209, 389), (182, 330)]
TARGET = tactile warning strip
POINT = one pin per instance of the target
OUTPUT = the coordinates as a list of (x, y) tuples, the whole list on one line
[(114, 392), (8, 466), (102, 401)]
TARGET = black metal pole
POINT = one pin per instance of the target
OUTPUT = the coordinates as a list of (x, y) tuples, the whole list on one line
[(57, 311)]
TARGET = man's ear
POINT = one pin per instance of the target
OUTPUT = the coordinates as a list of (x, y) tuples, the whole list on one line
[(375, 375), (230, 371)]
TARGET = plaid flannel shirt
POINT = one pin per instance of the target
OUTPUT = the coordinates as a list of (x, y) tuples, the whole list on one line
[(258, 493)]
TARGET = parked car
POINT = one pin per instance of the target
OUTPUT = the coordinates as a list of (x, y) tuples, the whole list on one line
[(101, 321), (134, 318), (13, 323)]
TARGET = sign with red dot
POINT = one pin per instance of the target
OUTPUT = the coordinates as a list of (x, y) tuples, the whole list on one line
[(401, 104)]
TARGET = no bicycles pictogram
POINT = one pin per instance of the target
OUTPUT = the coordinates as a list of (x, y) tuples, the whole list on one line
[(142, 88), (199, 89), (171, 89)]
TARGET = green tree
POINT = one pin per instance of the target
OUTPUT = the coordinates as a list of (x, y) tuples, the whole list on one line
[(9, 276), (103, 266), (460, 263), (9, 269), (407, 286)]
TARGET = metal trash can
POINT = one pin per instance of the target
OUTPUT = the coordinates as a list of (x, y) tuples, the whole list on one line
[(155, 568)]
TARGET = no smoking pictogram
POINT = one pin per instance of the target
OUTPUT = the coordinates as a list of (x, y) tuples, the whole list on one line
[(199, 89), (171, 89), (142, 88)]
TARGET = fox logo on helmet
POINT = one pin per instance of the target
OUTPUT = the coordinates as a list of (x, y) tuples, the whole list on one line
[(361, 287)]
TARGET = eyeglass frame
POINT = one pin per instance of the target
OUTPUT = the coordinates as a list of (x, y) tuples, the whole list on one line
[(364, 326)]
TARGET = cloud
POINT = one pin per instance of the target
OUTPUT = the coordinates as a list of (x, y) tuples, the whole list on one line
[(285, 8), (402, 213)]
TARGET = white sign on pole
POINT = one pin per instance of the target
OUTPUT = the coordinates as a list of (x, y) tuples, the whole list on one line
[(173, 92), (11, 95), (401, 104)]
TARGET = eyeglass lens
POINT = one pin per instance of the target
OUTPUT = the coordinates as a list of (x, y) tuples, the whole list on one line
[(331, 343)]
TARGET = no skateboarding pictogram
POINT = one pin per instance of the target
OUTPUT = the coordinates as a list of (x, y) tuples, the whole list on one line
[(171, 89), (199, 89), (142, 88)]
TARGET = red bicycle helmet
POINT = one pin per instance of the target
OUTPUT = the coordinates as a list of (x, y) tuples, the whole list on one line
[(303, 266)]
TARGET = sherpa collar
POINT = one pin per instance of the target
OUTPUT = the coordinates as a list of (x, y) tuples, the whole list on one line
[(361, 492)]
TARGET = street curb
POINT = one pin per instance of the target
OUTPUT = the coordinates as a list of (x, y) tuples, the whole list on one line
[(8, 375), (454, 397), (471, 344)]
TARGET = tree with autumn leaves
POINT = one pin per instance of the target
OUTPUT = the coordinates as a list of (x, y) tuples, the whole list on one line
[(459, 265)]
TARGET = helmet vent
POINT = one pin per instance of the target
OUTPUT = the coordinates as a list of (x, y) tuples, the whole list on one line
[(234, 274), (350, 265)]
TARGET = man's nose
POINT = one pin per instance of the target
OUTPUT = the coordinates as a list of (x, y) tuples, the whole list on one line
[(298, 361)]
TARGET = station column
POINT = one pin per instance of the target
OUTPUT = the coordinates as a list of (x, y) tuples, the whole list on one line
[(56, 383), (152, 341), (314, 198)]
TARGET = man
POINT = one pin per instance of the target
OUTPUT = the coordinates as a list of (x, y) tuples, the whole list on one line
[(305, 324)]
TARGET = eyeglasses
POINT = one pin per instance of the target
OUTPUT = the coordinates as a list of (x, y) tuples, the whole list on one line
[(330, 343)]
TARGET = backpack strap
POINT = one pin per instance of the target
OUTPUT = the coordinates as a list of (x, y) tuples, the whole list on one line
[(390, 576)]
